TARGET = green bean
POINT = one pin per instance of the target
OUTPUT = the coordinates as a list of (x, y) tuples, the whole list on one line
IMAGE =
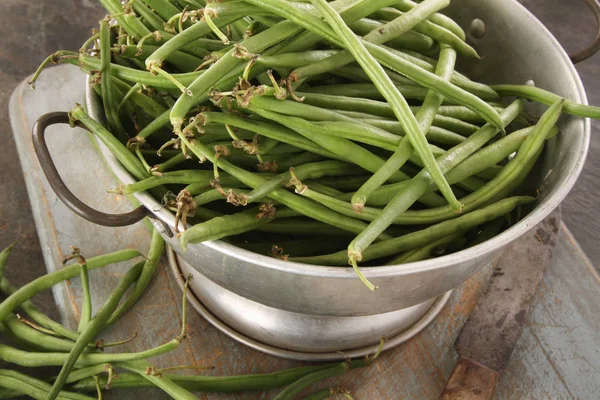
[(425, 236), (342, 147), (294, 60), (134, 75), (547, 98), (106, 85), (93, 327), (36, 338), (34, 388), (159, 380), (434, 134), (269, 130), (437, 18), (425, 252), (294, 202), (326, 190), (182, 177), (378, 34), (164, 9), (227, 225), (147, 104), (86, 302), (4, 258), (151, 20), (357, 74), (407, 40), (125, 157), (297, 387), (419, 184), (157, 247), (199, 383), (403, 151), (33, 359)]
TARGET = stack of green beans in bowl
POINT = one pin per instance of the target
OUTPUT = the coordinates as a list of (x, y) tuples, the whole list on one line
[(329, 133)]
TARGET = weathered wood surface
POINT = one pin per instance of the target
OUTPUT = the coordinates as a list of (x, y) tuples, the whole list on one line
[(416, 370), (558, 354)]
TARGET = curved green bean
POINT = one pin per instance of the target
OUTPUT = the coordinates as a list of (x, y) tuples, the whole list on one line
[(200, 383), (425, 236), (547, 98)]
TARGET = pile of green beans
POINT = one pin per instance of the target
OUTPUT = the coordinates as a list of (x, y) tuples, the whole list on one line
[(341, 125), (85, 369)]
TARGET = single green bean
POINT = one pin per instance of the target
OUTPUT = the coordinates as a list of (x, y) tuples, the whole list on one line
[(33, 359), (86, 302), (4, 258), (425, 236), (180, 60), (548, 98), (434, 134), (125, 157), (164, 9), (227, 225), (437, 18), (294, 60), (159, 380), (200, 383), (106, 86), (407, 40)]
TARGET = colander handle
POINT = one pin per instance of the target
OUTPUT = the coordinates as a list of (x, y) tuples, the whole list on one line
[(59, 187), (593, 48)]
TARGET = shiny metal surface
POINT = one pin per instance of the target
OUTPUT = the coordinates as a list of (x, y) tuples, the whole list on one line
[(300, 336), (515, 48)]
